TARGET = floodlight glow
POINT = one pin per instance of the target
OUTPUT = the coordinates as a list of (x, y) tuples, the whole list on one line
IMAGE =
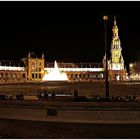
[(55, 75)]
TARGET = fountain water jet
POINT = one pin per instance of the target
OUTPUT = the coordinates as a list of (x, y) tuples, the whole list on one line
[(55, 75)]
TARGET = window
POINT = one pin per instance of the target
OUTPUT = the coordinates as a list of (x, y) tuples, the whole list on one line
[(39, 76), (23, 75), (36, 75), (32, 75)]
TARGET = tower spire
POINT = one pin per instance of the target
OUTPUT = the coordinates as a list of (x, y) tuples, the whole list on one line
[(29, 54), (116, 61), (115, 29), (115, 24), (42, 55)]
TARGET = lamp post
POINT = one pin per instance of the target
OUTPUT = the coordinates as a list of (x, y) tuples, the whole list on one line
[(105, 18)]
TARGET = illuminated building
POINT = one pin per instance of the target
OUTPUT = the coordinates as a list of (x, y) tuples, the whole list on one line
[(55, 74), (12, 71), (134, 70), (79, 71), (33, 69), (116, 63)]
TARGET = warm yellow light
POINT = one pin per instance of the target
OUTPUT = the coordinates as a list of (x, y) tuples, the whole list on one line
[(55, 75), (131, 65), (105, 18)]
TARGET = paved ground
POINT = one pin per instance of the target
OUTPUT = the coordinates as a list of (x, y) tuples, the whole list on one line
[(84, 88), (30, 129)]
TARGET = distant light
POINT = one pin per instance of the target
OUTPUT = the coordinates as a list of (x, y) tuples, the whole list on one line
[(131, 65), (105, 18), (117, 77)]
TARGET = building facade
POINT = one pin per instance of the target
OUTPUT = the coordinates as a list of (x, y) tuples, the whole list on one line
[(32, 69), (134, 70), (12, 71), (79, 71), (116, 67)]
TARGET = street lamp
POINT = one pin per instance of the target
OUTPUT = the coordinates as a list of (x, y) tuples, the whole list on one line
[(105, 18)]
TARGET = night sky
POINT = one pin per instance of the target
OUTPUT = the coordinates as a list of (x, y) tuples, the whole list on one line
[(67, 31)]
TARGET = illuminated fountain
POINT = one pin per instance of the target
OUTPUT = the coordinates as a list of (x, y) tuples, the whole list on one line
[(55, 75)]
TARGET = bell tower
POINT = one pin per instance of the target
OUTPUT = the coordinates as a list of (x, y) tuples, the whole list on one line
[(116, 62)]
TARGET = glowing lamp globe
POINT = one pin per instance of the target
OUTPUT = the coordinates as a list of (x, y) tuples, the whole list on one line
[(105, 18)]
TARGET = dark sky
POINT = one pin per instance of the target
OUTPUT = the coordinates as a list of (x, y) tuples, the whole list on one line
[(67, 31)]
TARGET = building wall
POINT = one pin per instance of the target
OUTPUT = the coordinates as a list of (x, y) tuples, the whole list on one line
[(12, 76), (79, 71), (85, 76), (35, 69), (134, 70)]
